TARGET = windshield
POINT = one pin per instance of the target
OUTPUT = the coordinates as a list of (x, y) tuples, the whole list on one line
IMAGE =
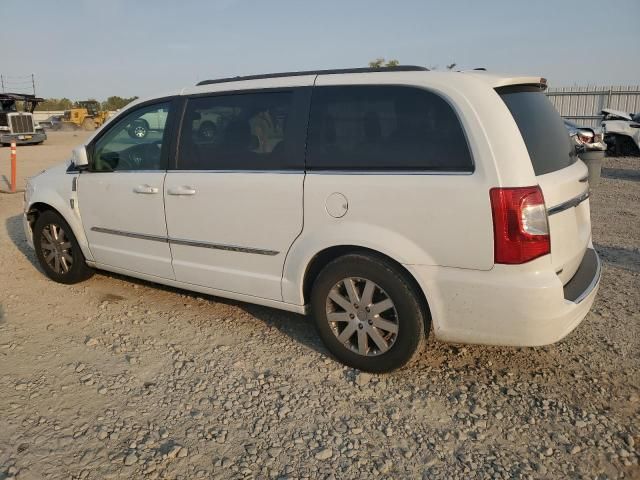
[(7, 106), (541, 126)]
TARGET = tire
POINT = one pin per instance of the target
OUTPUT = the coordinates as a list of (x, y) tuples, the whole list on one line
[(88, 124), (44, 232), (407, 315), (139, 129)]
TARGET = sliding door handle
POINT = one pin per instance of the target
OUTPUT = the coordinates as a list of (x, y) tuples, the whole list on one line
[(145, 189), (182, 190)]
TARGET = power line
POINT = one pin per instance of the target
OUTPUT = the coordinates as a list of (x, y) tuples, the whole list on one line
[(18, 82)]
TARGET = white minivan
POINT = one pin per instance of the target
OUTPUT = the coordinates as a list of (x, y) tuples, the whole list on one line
[(383, 202)]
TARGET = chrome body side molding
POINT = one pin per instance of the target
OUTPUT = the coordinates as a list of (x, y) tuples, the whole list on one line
[(574, 202), (192, 243)]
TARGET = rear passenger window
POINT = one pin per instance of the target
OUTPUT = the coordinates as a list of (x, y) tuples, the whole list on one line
[(384, 128), (238, 132)]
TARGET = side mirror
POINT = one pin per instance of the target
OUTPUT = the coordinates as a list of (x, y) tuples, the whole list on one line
[(79, 157)]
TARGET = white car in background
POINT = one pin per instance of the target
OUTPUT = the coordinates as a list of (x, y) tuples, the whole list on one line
[(387, 203), (151, 121), (622, 132)]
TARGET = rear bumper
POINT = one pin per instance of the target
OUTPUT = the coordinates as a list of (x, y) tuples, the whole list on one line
[(23, 138), (508, 305)]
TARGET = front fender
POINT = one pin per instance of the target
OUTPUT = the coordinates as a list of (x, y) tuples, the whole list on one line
[(54, 189), (311, 243)]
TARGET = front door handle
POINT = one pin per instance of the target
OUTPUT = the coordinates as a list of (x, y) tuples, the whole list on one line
[(145, 189), (182, 190)]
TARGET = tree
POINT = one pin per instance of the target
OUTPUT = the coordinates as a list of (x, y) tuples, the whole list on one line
[(111, 103), (381, 62), (54, 104), (116, 103)]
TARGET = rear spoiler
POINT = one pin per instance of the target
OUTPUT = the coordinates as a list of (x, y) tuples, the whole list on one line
[(521, 87)]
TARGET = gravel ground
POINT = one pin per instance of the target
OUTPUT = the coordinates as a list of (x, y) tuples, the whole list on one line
[(117, 378)]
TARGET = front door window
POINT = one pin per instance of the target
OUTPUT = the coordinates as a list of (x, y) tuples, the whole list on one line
[(133, 143)]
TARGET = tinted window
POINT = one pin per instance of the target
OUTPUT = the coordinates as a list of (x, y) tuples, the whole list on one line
[(236, 132), (134, 142), (542, 129), (384, 128)]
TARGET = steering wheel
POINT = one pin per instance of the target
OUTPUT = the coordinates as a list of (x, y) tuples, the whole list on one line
[(140, 157)]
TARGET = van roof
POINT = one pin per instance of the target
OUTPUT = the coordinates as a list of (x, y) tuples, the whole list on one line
[(494, 80)]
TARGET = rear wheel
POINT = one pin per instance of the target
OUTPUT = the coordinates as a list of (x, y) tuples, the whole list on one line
[(368, 313), (58, 250)]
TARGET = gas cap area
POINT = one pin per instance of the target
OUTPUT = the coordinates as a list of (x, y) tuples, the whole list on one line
[(336, 205)]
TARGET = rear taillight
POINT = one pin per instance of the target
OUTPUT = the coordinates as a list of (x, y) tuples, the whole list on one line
[(520, 224), (585, 138)]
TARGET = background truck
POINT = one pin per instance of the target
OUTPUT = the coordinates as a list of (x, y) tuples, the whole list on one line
[(16, 119)]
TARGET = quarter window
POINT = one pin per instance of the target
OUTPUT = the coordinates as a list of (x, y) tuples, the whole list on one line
[(384, 128), (239, 132), (133, 143)]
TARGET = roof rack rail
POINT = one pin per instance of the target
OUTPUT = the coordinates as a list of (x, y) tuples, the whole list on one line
[(397, 68)]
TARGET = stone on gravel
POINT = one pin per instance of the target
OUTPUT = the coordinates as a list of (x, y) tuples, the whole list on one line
[(324, 454), (363, 379)]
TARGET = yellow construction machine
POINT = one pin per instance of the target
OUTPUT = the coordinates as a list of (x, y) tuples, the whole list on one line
[(84, 115)]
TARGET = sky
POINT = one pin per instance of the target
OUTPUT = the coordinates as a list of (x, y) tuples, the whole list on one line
[(98, 48)]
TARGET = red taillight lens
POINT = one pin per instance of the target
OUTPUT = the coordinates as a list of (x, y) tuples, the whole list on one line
[(585, 138), (520, 225)]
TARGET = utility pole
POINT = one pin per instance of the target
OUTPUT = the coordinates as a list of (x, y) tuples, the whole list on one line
[(33, 84), (2, 82)]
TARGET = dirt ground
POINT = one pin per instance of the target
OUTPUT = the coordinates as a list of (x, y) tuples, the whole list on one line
[(118, 378)]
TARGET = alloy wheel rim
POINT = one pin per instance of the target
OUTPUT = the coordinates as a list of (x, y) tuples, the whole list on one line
[(362, 316), (56, 249), (139, 131)]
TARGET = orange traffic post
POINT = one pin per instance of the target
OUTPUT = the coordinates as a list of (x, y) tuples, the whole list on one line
[(13, 167)]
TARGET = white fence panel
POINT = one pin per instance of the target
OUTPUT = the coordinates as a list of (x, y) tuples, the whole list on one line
[(583, 105)]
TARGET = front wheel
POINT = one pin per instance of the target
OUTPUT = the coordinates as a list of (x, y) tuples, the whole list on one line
[(88, 124), (368, 313), (58, 250)]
